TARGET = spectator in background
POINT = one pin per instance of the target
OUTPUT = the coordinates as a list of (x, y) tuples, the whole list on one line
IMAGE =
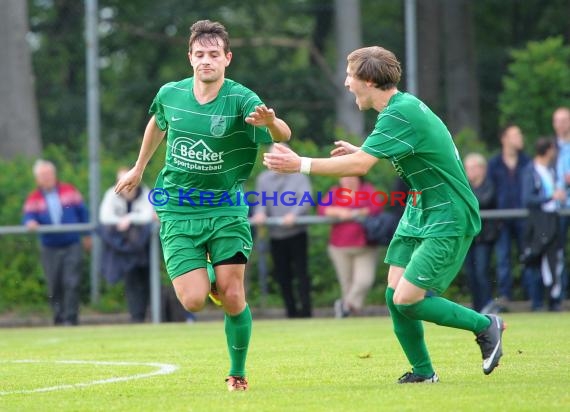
[(58, 203), (353, 258), (561, 126), (288, 241), (126, 221), (478, 260), (543, 254), (505, 171)]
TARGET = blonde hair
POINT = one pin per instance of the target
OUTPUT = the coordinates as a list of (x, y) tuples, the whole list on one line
[(476, 157), (38, 164)]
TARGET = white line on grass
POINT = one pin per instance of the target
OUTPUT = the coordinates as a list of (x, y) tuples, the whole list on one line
[(163, 369)]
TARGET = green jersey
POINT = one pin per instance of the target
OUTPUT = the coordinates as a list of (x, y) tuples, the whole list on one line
[(210, 150), (423, 153)]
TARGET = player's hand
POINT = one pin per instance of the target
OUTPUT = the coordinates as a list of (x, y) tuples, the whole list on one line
[(288, 220), (87, 243), (129, 181), (560, 195), (32, 224), (282, 159), (343, 148), (258, 218), (124, 224), (262, 116)]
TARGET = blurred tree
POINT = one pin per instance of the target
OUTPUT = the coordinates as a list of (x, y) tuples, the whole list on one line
[(19, 131), (462, 89), (278, 52), (500, 27), (59, 65), (430, 35), (537, 82), (286, 51)]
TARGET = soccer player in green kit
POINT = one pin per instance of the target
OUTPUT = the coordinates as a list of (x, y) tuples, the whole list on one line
[(438, 224), (213, 128)]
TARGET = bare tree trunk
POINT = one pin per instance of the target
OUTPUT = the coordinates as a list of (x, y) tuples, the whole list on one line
[(460, 67), (19, 130), (348, 38), (429, 54)]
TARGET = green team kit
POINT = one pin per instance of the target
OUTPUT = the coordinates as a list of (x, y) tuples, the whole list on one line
[(440, 221), (434, 234), (212, 150)]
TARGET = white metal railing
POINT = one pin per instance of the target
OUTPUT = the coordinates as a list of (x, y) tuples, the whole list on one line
[(155, 298)]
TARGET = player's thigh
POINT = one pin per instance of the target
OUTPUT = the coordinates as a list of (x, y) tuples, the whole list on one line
[(230, 278), (193, 285), (437, 261)]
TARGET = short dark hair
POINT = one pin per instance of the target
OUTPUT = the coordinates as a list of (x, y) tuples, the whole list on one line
[(377, 65), (542, 145), (208, 32), (505, 128)]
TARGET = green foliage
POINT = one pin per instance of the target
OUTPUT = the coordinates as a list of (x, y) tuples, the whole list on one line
[(538, 81), (22, 283), (285, 51), (21, 277), (467, 142), (59, 67)]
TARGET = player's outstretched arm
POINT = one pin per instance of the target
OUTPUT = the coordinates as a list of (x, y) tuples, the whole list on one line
[(264, 116), (151, 139), (284, 160)]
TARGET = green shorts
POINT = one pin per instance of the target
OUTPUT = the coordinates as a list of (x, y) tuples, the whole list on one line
[(430, 263), (186, 242)]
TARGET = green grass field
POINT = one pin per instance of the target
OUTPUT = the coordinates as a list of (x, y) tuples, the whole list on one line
[(304, 365)]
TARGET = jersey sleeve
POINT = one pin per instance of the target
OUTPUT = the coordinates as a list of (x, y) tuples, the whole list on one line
[(157, 109), (392, 137), (249, 102)]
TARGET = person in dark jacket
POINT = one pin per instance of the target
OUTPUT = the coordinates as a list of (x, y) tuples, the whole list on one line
[(542, 252), (505, 171), (477, 262), (55, 203), (126, 221)]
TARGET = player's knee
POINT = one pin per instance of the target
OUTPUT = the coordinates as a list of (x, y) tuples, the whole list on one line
[(192, 303), (399, 298), (233, 295)]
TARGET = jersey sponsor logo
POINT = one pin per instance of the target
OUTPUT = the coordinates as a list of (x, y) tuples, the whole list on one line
[(175, 119), (217, 125), (195, 155)]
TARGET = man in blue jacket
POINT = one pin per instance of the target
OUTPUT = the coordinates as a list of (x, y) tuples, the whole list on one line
[(505, 172), (55, 203)]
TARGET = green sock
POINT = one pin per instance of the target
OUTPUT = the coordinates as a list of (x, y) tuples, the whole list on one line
[(238, 333), (446, 313), (410, 334)]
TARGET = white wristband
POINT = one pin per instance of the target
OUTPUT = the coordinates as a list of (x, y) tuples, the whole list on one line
[(305, 165)]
